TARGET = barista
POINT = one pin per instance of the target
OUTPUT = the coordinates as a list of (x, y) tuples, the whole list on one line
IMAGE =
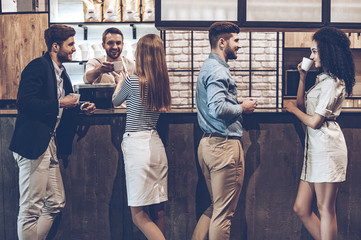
[(106, 69)]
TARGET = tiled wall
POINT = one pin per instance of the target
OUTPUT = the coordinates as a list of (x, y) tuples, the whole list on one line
[(262, 62)]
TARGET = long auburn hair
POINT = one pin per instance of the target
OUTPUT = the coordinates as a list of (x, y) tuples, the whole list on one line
[(335, 55), (152, 71)]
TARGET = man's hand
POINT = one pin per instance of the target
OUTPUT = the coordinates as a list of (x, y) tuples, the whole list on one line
[(290, 107), (88, 108), (105, 67), (248, 105), (69, 101), (92, 75), (118, 77)]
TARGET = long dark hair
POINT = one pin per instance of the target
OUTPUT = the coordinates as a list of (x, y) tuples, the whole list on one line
[(335, 55)]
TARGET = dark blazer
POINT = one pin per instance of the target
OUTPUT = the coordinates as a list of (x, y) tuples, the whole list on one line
[(38, 107)]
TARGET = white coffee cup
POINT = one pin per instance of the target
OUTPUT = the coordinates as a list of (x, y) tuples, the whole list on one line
[(306, 64), (84, 55), (97, 50), (83, 46), (77, 95), (347, 103), (118, 66), (84, 51)]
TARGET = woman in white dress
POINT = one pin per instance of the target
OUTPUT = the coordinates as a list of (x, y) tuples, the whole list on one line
[(325, 158), (146, 168)]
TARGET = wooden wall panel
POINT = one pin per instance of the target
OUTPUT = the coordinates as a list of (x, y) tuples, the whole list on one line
[(21, 40), (304, 39), (355, 39), (298, 39)]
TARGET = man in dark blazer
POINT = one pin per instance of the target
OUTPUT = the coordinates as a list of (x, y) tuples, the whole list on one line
[(44, 129)]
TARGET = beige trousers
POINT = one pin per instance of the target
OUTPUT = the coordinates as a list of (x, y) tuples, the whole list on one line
[(222, 163), (42, 194)]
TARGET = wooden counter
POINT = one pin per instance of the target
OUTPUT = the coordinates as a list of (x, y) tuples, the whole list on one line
[(96, 195)]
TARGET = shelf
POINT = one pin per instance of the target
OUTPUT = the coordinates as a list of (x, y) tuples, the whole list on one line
[(352, 98), (85, 61), (25, 12), (100, 23), (307, 48), (302, 40)]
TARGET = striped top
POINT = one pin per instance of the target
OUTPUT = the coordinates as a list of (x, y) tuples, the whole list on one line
[(139, 117)]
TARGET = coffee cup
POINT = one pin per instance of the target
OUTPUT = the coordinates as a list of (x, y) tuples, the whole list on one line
[(84, 55), (77, 95), (84, 51), (357, 103), (306, 64), (118, 66), (97, 50), (347, 103)]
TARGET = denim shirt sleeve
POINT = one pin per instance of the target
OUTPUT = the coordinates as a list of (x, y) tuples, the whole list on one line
[(222, 96)]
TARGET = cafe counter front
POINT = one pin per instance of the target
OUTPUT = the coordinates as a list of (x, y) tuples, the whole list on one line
[(94, 180)]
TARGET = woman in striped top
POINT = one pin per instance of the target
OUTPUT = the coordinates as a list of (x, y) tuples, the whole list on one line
[(147, 94)]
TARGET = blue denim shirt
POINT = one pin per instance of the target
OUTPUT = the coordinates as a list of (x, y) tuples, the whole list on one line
[(216, 99)]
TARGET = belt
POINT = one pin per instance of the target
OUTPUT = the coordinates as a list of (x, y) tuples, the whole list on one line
[(220, 135)]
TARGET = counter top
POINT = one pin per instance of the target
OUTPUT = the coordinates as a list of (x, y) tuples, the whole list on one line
[(110, 111), (123, 111), (8, 112), (116, 111)]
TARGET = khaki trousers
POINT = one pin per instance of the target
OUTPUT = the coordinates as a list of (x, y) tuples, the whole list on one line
[(42, 194), (222, 163)]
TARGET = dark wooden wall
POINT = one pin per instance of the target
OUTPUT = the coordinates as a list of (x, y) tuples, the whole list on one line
[(96, 196)]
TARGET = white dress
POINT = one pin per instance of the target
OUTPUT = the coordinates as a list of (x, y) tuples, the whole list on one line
[(325, 158)]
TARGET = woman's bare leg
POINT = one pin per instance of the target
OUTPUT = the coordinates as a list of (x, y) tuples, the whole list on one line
[(303, 209), (145, 224), (157, 214), (326, 194)]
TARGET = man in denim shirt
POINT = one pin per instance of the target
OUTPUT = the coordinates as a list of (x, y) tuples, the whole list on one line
[(220, 153)]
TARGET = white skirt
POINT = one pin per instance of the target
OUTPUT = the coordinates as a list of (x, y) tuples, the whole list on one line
[(146, 168)]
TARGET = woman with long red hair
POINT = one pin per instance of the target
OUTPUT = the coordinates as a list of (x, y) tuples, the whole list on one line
[(147, 95)]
